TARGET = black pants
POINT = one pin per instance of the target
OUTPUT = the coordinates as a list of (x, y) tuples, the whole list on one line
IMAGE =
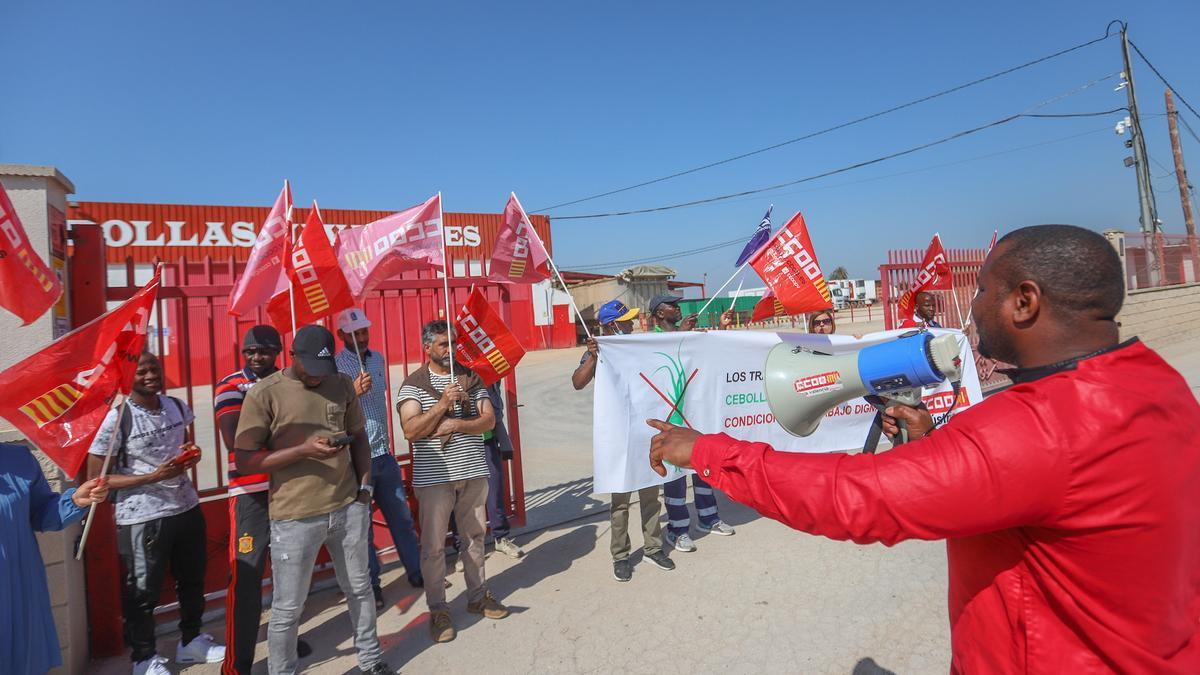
[(147, 549), (249, 550)]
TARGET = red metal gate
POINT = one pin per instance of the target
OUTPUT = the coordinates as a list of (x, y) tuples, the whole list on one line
[(954, 306), (200, 343)]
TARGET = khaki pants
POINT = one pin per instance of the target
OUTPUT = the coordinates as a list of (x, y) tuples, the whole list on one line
[(467, 500), (649, 508)]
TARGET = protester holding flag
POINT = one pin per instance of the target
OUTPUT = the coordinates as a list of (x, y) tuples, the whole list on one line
[(617, 319), (444, 420), (159, 523), (917, 307), (304, 426), (665, 313), (28, 640), (368, 370), (249, 521)]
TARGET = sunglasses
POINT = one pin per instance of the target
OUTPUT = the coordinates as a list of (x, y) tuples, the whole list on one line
[(823, 322)]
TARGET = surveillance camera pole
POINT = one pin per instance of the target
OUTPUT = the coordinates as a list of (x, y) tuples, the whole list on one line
[(1149, 212)]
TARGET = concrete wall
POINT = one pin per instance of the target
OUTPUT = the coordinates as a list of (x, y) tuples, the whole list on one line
[(34, 190), (1162, 316)]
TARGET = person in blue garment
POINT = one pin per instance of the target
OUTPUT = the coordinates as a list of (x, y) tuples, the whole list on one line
[(28, 641)]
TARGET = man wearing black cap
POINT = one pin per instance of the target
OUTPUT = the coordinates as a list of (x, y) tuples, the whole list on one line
[(250, 527), (667, 318), (304, 427)]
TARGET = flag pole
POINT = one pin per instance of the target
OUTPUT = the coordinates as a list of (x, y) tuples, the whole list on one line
[(446, 267), (112, 441), (554, 269), (291, 246), (714, 296), (971, 307)]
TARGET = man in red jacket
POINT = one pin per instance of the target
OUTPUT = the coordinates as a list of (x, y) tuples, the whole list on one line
[(1068, 502)]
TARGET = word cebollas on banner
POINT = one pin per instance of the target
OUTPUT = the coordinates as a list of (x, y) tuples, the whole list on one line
[(713, 382)]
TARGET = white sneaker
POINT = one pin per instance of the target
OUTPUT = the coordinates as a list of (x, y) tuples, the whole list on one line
[(155, 665), (509, 548), (683, 543), (202, 649)]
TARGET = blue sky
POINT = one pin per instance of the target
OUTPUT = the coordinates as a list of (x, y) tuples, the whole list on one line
[(378, 105)]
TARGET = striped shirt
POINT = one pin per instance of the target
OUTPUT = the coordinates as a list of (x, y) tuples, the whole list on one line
[(374, 403), (227, 400), (462, 458)]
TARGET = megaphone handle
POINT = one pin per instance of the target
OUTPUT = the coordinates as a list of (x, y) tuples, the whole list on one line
[(903, 435)]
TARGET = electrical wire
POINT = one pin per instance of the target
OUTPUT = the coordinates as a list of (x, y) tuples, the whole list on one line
[(843, 125), (851, 167), (1164, 80), (726, 244)]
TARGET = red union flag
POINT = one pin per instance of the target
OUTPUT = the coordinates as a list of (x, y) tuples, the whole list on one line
[(482, 342), (59, 396), (264, 276), (767, 308), (519, 256), (789, 265), (408, 240), (27, 287), (318, 287), (934, 275)]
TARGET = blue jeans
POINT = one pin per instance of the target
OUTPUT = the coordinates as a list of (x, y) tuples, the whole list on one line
[(294, 548), (679, 521), (393, 503)]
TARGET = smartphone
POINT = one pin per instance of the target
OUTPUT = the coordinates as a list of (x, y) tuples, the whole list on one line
[(344, 439), (186, 456)]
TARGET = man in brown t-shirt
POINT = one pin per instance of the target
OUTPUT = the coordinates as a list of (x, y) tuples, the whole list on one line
[(304, 427)]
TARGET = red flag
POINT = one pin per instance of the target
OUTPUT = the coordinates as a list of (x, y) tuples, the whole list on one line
[(408, 240), (317, 285), (789, 265), (482, 342), (934, 275), (264, 276), (59, 396), (27, 286), (519, 256), (767, 308)]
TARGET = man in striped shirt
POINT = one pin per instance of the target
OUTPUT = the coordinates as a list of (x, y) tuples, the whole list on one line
[(249, 526), (444, 420)]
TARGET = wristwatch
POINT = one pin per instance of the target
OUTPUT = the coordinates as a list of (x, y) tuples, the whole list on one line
[(368, 488)]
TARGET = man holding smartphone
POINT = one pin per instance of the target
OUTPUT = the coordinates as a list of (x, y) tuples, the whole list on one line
[(304, 427)]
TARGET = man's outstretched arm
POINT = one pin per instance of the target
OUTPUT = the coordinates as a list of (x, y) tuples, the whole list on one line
[(957, 482)]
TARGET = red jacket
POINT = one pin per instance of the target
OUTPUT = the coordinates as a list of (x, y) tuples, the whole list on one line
[(1070, 505)]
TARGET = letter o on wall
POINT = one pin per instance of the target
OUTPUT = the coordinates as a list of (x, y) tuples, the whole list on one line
[(118, 232)]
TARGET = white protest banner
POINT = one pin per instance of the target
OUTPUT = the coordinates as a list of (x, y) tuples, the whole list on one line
[(713, 383)]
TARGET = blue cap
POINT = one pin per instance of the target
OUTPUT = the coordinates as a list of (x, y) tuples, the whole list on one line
[(615, 310)]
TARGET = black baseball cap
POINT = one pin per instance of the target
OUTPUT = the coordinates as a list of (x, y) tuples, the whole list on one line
[(313, 348), (664, 299), (263, 336)]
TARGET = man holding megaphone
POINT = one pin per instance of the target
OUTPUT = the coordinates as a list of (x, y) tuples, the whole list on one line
[(1068, 501)]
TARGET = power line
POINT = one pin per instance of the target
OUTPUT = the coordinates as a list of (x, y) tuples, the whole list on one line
[(1164, 80), (851, 167), (726, 244), (836, 127)]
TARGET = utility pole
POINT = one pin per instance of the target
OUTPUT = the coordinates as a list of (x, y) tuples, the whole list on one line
[(1181, 176), (1149, 212)]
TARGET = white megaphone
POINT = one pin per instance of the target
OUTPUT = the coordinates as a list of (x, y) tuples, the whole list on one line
[(802, 385)]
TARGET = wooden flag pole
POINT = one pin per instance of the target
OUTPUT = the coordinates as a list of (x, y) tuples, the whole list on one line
[(112, 442), (446, 267)]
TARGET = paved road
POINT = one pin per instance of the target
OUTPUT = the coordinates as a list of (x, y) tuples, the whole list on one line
[(768, 600)]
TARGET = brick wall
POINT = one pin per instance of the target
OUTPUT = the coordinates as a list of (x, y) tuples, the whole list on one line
[(1162, 316)]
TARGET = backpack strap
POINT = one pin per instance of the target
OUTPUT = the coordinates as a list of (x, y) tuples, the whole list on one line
[(125, 427)]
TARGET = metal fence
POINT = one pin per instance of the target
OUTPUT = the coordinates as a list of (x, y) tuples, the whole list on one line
[(1157, 260)]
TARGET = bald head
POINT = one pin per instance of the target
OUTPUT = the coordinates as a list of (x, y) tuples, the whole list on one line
[(1077, 270)]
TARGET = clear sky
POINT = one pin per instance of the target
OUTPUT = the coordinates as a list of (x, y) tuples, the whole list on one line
[(378, 105)]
